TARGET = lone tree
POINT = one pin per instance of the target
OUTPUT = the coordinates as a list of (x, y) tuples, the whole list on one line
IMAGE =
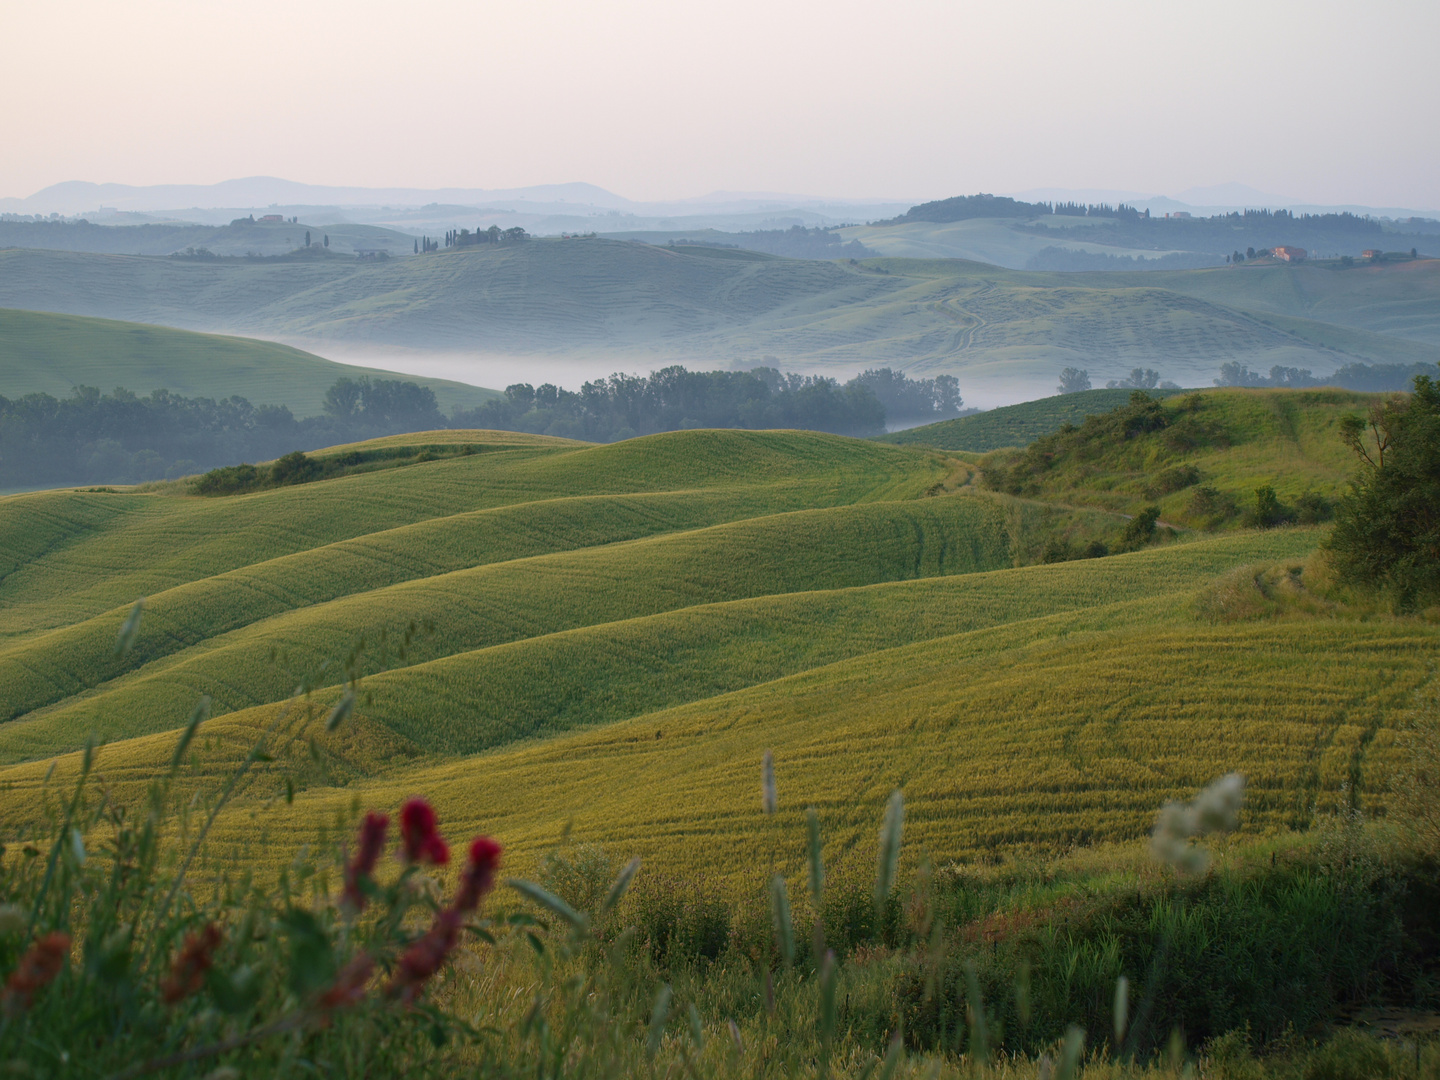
[(1073, 380), (1387, 529)]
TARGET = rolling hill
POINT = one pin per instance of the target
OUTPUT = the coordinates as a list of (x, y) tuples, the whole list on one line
[(1013, 425), (240, 237), (544, 632), (627, 305), (42, 353)]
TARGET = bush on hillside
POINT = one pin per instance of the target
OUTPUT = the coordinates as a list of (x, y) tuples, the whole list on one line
[(1312, 508), (1387, 529), (1267, 510), (298, 467), (1140, 529), (1176, 478)]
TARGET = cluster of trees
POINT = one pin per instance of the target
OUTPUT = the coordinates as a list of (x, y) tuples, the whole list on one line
[(1370, 378), (673, 399), (1074, 209), (465, 238), (1075, 380), (122, 438), (910, 402), (1387, 530), (965, 207), (1141, 379)]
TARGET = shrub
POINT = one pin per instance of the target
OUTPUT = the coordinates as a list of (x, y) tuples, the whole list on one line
[(1140, 529), (1312, 508), (1351, 1056), (580, 876), (230, 480), (294, 468), (1211, 505), (1176, 478), (1057, 551), (1268, 511)]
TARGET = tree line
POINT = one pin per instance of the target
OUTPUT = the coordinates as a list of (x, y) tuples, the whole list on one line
[(1370, 378), (465, 238), (672, 399), (124, 438)]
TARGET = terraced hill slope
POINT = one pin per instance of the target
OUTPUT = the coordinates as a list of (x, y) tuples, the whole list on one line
[(632, 304), (611, 636), (53, 354)]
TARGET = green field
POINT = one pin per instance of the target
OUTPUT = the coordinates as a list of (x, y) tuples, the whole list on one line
[(626, 306), (42, 353), (586, 651), (611, 636)]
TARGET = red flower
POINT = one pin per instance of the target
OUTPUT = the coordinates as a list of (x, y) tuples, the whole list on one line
[(349, 984), (420, 834), (425, 957), (367, 852), (478, 877), (187, 973), (37, 969)]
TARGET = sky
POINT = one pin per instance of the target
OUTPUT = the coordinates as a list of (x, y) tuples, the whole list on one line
[(1322, 101)]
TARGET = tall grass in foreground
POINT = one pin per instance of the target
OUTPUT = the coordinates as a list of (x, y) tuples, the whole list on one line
[(127, 953)]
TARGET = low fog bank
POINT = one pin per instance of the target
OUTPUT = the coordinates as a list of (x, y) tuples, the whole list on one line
[(495, 371)]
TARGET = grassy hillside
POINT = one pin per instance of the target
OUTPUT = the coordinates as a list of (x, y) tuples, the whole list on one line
[(382, 546), (1199, 456), (1027, 728), (988, 240), (52, 354), (1012, 425), (548, 632), (636, 304), (1397, 299)]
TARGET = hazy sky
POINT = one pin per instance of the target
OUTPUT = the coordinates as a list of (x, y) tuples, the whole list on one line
[(1327, 102)]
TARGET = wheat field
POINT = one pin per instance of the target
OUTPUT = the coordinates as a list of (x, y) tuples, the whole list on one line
[(557, 639)]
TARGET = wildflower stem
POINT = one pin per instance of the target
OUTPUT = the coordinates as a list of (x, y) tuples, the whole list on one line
[(257, 752)]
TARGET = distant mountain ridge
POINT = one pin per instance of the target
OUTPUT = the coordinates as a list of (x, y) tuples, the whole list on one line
[(257, 192)]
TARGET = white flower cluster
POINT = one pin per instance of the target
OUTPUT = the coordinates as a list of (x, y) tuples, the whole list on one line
[(1215, 809)]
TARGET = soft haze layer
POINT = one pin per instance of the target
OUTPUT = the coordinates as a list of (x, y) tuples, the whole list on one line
[(1329, 102)]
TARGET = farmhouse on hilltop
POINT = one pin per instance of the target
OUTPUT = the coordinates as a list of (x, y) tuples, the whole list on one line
[(1289, 254)]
